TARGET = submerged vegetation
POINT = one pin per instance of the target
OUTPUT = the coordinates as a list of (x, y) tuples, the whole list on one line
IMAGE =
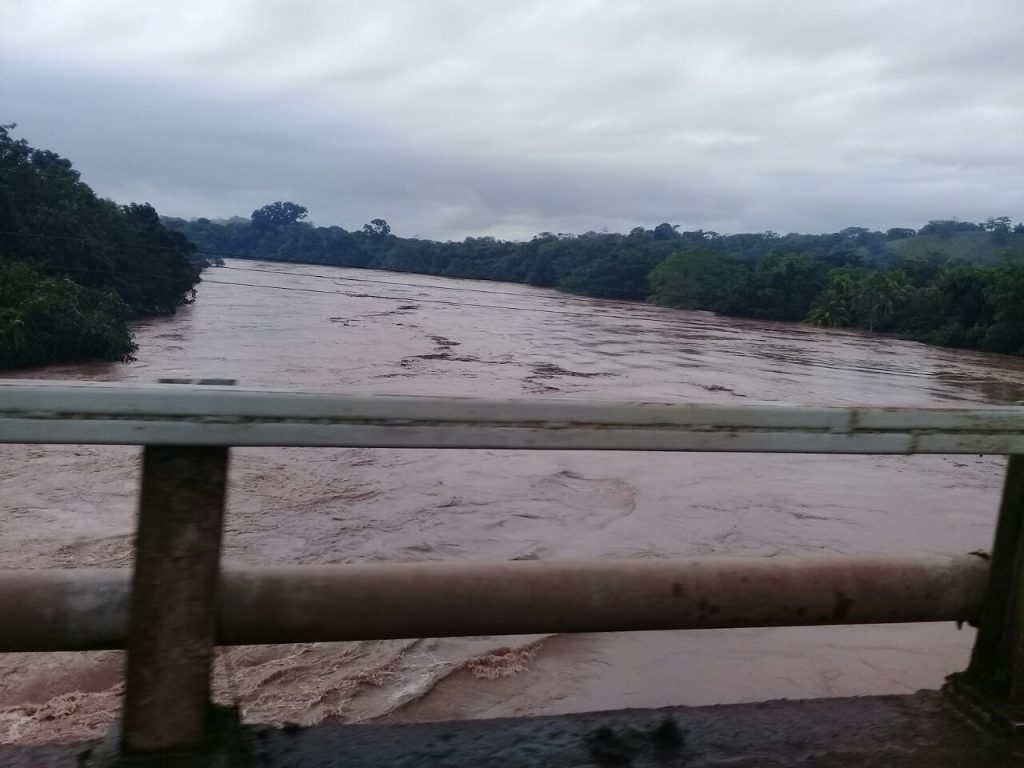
[(74, 268), (950, 282)]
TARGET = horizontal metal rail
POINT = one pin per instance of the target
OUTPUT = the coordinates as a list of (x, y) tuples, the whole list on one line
[(65, 610), (33, 412)]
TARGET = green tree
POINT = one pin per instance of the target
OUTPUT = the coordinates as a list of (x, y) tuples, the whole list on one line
[(45, 319), (782, 286), (879, 296), (834, 306), (377, 228), (964, 296), (694, 279), (1006, 292), (279, 214), (999, 228), (666, 231), (74, 266), (899, 233)]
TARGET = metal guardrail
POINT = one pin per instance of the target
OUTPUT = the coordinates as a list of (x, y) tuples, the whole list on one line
[(230, 417), (178, 605)]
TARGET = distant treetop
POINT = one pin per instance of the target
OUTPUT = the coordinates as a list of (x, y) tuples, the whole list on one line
[(377, 228), (279, 214)]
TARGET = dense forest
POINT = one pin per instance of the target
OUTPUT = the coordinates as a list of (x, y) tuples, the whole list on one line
[(949, 282), (74, 268)]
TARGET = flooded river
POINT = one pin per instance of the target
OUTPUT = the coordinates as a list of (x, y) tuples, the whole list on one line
[(318, 328)]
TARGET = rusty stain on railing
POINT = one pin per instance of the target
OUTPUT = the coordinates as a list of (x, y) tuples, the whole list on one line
[(45, 610)]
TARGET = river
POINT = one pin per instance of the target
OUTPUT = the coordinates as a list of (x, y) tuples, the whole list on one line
[(319, 328)]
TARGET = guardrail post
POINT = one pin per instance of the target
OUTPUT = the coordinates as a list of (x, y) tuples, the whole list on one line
[(172, 622), (992, 688), (172, 625), (997, 662)]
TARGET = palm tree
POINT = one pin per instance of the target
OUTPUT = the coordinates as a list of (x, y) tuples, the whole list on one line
[(879, 296), (834, 306)]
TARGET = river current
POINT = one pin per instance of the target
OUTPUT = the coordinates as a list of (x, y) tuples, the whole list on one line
[(338, 330)]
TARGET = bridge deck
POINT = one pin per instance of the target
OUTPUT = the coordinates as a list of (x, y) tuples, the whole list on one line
[(909, 731)]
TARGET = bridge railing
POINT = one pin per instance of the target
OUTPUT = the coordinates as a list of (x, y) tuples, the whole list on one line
[(177, 604)]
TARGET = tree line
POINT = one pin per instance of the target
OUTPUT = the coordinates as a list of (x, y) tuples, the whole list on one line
[(74, 268), (930, 298), (948, 282)]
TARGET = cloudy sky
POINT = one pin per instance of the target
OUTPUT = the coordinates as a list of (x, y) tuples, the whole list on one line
[(451, 119)]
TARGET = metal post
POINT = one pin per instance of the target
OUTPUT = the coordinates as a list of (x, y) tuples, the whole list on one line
[(172, 621), (997, 662)]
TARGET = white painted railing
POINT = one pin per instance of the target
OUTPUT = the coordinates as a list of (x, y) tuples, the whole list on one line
[(211, 415)]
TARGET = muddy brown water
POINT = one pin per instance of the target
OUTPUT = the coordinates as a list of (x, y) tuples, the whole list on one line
[(324, 329)]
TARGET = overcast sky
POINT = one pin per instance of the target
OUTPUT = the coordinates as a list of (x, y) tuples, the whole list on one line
[(451, 119)]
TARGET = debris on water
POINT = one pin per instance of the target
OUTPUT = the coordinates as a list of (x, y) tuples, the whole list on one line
[(444, 343), (550, 370)]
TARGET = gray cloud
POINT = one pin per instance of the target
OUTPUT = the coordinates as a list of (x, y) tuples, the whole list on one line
[(458, 118)]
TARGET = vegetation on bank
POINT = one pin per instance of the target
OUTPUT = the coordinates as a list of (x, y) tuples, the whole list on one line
[(74, 268), (950, 282), (931, 298)]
